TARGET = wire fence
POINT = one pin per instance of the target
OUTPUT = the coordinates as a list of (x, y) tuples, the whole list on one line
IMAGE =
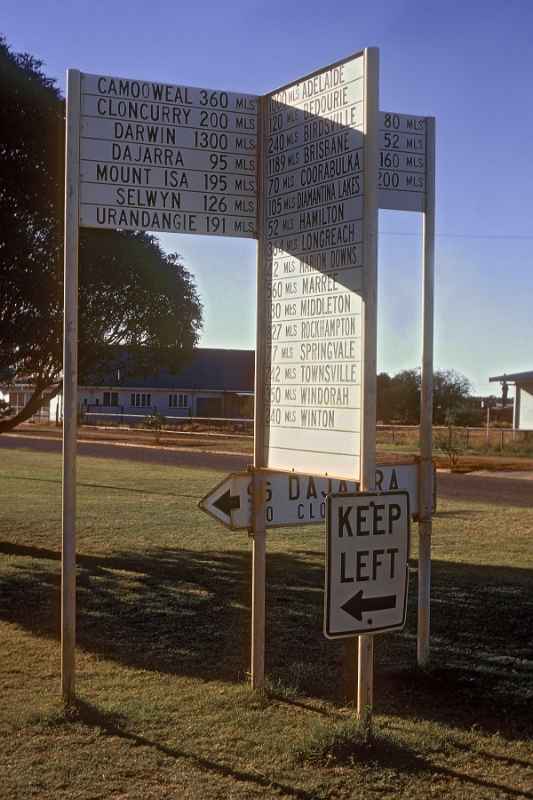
[(229, 425), (467, 438)]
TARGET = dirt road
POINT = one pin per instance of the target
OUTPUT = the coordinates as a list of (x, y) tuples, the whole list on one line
[(503, 491)]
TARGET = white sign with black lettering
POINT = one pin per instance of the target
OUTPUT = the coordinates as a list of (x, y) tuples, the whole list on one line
[(167, 158), (313, 271), (403, 165), (293, 499), (366, 563)]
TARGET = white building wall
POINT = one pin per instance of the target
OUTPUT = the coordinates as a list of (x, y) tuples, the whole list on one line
[(525, 390), (20, 396), (133, 402)]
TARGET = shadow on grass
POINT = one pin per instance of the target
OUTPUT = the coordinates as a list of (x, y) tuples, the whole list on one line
[(127, 489), (110, 725), (348, 744), (188, 612)]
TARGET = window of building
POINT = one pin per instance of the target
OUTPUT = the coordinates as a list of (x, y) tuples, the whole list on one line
[(17, 401), (141, 399), (110, 398), (178, 401)]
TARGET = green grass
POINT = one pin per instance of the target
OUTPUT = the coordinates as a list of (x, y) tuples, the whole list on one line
[(164, 708)]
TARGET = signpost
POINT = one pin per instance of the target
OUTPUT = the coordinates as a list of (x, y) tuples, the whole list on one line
[(142, 155), (367, 550), (167, 158), (313, 271), (294, 499), (303, 170), (407, 183), (403, 162)]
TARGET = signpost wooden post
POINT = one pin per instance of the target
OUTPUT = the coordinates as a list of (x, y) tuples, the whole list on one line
[(258, 528), (365, 660), (426, 406), (70, 389)]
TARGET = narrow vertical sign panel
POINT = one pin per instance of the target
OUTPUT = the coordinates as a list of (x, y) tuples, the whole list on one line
[(169, 158), (312, 277), (402, 173)]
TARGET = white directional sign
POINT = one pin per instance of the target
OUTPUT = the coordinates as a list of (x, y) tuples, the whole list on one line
[(313, 271), (403, 163), (292, 499), (366, 563), (167, 158)]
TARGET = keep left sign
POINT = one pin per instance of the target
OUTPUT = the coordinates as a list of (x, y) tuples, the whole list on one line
[(366, 563)]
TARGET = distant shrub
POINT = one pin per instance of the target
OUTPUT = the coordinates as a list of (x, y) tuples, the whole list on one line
[(155, 422)]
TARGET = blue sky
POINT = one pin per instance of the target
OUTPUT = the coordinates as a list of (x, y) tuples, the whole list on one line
[(469, 63)]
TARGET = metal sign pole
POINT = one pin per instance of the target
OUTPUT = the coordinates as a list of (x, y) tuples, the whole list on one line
[(258, 585), (258, 531), (70, 388), (426, 406), (365, 662)]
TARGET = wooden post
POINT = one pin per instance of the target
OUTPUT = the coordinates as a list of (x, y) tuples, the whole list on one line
[(258, 584), (426, 407), (70, 388), (258, 531), (365, 679), (349, 677), (365, 668)]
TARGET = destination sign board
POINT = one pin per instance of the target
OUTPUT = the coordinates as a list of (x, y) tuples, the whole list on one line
[(294, 499), (367, 551), (312, 271), (169, 158), (402, 168)]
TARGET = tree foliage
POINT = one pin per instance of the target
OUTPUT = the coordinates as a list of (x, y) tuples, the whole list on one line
[(131, 293), (399, 397)]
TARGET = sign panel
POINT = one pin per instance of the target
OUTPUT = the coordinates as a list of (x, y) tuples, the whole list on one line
[(402, 162), (367, 552), (158, 157), (293, 499), (313, 271)]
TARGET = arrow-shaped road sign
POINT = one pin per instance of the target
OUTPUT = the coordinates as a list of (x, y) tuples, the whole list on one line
[(294, 499), (227, 502)]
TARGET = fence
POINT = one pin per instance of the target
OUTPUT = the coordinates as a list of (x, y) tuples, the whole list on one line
[(120, 418), (493, 439), (402, 436)]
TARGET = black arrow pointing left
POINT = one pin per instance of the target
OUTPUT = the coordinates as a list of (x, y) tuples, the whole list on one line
[(357, 604), (226, 502)]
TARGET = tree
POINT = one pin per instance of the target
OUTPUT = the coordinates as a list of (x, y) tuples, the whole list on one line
[(405, 396), (399, 397), (383, 385), (450, 391), (131, 293)]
